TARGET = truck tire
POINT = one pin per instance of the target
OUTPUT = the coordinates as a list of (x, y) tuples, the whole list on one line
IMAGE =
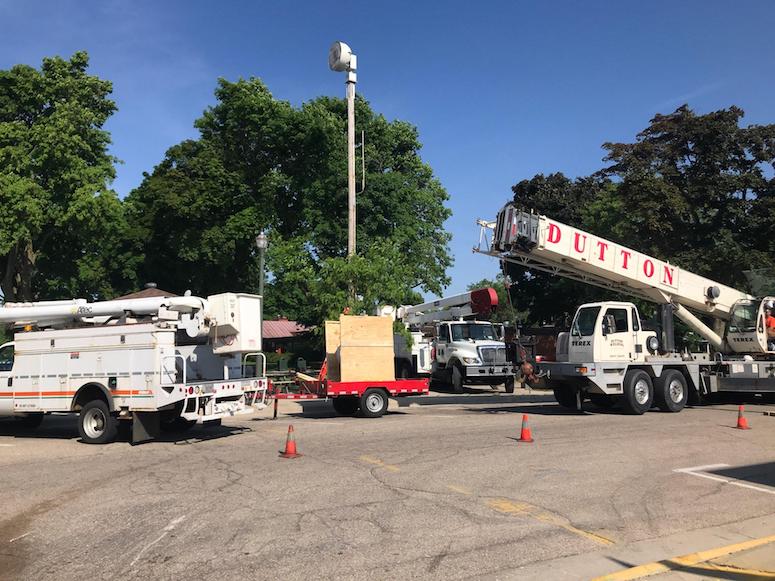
[(456, 379), (638, 392), (96, 424), (671, 391), (29, 422), (374, 402), (508, 385), (565, 395), (345, 405), (602, 400)]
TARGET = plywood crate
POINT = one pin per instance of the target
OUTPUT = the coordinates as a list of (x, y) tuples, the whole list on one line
[(366, 363), (365, 331), (332, 349)]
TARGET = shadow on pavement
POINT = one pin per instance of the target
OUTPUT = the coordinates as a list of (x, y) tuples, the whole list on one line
[(473, 399), (756, 473), (64, 427)]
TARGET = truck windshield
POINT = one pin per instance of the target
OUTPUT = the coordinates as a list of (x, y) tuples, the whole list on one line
[(6, 358), (584, 323), (743, 318), (475, 331)]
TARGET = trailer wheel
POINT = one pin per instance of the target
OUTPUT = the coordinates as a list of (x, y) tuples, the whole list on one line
[(374, 403), (345, 405), (565, 395), (671, 391), (456, 378), (29, 422), (96, 424), (638, 392), (508, 385)]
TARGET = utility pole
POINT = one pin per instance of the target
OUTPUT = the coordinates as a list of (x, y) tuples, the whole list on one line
[(341, 58)]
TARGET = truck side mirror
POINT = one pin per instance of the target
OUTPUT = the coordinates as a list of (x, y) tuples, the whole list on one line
[(605, 328)]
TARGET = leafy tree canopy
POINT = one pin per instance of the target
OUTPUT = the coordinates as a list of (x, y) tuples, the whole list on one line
[(260, 163), (697, 190), (59, 221)]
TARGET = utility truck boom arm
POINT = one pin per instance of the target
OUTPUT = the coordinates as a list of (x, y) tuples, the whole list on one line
[(482, 301)]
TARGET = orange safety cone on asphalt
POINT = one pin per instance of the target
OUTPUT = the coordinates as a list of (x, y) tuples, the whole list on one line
[(290, 446), (742, 422), (525, 435)]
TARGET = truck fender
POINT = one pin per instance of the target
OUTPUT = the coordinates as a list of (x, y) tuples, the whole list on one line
[(89, 392)]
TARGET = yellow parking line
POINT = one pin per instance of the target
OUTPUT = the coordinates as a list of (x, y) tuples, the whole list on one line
[(692, 560), (509, 507), (380, 463)]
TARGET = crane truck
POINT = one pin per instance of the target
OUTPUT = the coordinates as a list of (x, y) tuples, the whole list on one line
[(450, 347), (153, 362), (609, 356)]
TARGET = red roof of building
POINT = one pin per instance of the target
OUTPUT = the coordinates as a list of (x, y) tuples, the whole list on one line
[(282, 329)]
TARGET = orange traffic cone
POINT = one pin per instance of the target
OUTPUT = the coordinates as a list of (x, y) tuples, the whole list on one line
[(525, 435), (290, 445), (742, 422)]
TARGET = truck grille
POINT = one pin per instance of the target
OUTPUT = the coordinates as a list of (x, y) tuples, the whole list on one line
[(493, 355)]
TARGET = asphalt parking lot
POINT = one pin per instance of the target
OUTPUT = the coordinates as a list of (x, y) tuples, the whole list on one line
[(437, 489)]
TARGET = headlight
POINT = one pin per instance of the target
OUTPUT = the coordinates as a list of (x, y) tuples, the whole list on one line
[(652, 344), (474, 360)]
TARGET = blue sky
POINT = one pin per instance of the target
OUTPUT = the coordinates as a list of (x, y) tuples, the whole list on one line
[(500, 91)]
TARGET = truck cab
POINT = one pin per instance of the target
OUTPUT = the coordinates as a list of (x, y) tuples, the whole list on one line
[(471, 352), (608, 331), (747, 327)]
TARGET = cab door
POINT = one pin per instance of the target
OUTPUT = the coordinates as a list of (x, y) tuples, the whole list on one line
[(6, 379), (618, 336)]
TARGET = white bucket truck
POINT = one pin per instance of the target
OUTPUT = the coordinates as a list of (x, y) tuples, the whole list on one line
[(153, 362), (450, 346)]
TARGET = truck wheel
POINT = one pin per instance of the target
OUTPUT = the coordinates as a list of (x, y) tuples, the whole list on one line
[(602, 400), (508, 385), (96, 424), (565, 396), (345, 405), (29, 422), (638, 392), (457, 379), (671, 391), (374, 403)]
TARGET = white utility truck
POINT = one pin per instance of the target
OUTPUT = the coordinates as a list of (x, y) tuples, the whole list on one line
[(608, 356), (452, 349), (159, 363)]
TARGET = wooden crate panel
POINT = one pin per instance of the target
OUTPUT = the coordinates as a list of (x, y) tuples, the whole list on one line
[(332, 348), (366, 363), (366, 331)]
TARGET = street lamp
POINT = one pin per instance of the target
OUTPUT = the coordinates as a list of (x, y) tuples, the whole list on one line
[(261, 243), (340, 59)]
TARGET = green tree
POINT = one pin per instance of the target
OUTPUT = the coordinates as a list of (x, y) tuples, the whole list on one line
[(696, 190), (260, 163), (59, 221)]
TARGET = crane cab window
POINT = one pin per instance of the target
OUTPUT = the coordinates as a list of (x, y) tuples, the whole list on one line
[(618, 318), (444, 333), (635, 320), (584, 323), (6, 358)]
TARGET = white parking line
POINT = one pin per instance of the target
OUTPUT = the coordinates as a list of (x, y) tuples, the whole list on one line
[(6, 445), (699, 471)]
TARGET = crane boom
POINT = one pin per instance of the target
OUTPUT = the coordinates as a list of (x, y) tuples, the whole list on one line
[(540, 243)]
